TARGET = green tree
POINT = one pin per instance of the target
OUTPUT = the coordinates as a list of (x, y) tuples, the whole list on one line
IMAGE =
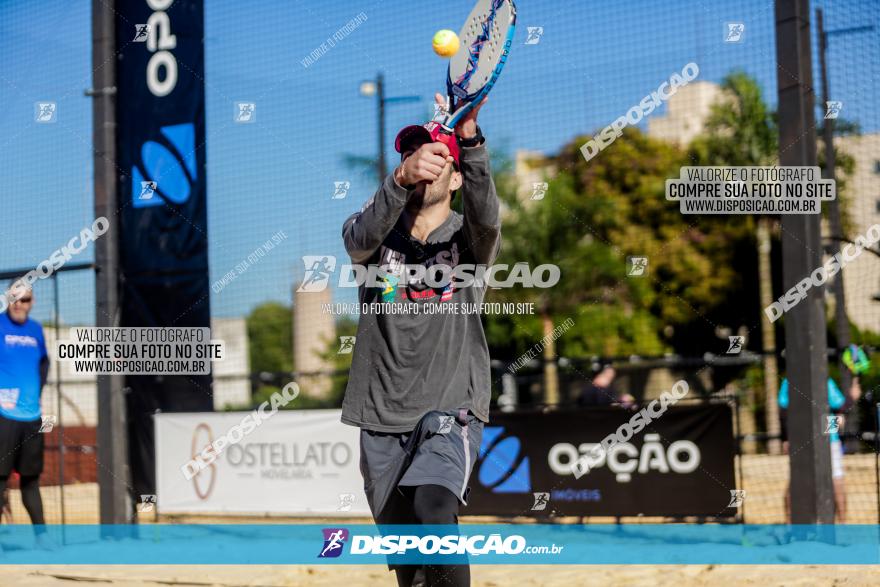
[(570, 231), (270, 338), (741, 130), (335, 354), (592, 218), (691, 260)]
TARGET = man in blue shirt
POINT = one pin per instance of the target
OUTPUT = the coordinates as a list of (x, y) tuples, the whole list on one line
[(24, 366)]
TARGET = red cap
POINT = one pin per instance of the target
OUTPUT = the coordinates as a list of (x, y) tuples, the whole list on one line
[(431, 132)]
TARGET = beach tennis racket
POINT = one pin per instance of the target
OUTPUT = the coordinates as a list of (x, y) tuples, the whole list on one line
[(485, 39)]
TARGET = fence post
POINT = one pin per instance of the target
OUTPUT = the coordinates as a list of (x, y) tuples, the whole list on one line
[(812, 495), (741, 513), (877, 457), (58, 403)]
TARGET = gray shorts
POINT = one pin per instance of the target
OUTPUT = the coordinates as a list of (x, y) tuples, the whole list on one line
[(441, 450)]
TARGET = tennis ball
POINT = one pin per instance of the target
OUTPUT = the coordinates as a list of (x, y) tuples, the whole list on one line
[(445, 43)]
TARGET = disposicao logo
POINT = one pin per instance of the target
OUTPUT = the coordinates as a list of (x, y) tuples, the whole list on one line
[(334, 540)]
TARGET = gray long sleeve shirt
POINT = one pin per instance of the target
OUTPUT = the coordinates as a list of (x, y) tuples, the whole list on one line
[(406, 364)]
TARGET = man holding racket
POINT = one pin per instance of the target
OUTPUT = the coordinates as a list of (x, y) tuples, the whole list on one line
[(419, 386)]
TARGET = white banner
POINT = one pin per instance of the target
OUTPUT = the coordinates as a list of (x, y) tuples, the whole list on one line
[(294, 463)]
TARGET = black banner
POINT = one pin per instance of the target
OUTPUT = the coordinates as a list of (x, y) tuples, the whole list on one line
[(160, 112), (681, 464)]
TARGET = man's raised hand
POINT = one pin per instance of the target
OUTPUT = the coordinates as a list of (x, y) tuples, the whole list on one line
[(425, 164), (467, 126)]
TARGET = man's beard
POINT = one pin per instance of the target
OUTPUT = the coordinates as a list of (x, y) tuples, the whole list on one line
[(434, 193)]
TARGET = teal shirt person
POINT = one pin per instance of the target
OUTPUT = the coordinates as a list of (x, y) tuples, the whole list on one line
[(836, 399)]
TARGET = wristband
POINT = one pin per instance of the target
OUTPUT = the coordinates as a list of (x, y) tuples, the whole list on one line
[(474, 141)]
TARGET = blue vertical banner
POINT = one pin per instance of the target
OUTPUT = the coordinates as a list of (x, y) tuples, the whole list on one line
[(160, 115)]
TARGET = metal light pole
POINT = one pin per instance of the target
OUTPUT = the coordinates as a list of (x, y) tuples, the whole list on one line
[(380, 96), (841, 320), (377, 88)]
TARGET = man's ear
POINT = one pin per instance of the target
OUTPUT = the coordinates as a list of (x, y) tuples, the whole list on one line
[(455, 180)]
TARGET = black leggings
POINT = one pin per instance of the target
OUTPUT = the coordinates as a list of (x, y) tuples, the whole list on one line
[(30, 496), (434, 504)]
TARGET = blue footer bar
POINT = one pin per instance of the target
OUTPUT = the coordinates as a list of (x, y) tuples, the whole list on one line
[(468, 543)]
